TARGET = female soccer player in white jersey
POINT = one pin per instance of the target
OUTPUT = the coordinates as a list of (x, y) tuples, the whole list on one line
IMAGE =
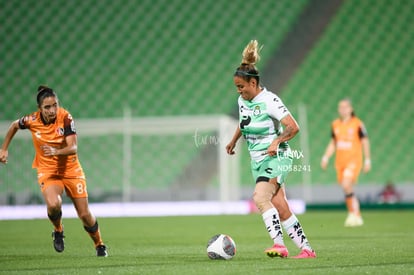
[(267, 125)]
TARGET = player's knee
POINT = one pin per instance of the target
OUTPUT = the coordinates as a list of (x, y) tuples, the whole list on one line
[(347, 185), (54, 203), (348, 189), (262, 201), (54, 206), (85, 216)]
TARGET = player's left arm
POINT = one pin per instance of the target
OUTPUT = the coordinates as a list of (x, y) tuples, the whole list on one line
[(366, 148), (290, 129), (71, 148), (71, 141)]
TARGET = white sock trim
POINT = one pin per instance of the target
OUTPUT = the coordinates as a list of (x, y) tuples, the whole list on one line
[(270, 212), (273, 225), (292, 220), (297, 239)]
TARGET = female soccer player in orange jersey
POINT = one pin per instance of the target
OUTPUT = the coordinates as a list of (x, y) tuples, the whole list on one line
[(349, 141), (58, 168)]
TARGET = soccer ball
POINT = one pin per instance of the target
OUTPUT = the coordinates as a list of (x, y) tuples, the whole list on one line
[(222, 247)]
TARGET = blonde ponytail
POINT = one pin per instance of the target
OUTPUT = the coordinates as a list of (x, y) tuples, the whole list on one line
[(251, 53), (247, 69)]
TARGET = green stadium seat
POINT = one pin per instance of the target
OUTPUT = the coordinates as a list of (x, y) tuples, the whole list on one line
[(364, 54), (158, 59)]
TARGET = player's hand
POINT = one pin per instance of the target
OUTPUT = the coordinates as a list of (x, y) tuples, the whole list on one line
[(48, 150), (230, 148), (272, 149), (324, 162), (4, 154), (367, 166)]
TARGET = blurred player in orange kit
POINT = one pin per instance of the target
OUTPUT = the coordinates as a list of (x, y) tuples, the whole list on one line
[(58, 168), (350, 142)]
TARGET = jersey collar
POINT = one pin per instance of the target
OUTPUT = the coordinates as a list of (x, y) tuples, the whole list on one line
[(44, 121)]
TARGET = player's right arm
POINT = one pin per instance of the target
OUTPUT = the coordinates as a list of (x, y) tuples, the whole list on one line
[(14, 127), (232, 144), (330, 150)]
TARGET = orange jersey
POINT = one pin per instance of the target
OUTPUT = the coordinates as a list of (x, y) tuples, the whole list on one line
[(347, 136), (52, 134)]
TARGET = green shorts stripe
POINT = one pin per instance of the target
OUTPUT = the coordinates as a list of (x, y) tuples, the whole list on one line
[(272, 167)]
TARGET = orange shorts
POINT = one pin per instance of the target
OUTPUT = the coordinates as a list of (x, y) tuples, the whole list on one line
[(348, 171), (74, 187)]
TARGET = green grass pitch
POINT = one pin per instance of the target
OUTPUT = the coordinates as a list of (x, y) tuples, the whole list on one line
[(177, 245)]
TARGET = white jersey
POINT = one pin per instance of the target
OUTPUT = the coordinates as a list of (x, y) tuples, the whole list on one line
[(260, 122)]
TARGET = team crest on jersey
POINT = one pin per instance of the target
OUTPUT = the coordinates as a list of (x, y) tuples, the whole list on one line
[(60, 131), (256, 110)]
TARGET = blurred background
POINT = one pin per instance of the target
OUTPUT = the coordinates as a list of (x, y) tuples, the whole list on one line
[(149, 83)]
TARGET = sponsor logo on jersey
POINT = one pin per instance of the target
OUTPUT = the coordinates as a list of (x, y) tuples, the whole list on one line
[(60, 131), (344, 145), (245, 121), (257, 110)]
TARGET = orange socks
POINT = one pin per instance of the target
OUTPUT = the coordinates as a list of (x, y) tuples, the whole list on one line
[(352, 204), (56, 220), (94, 233), (59, 228), (96, 237)]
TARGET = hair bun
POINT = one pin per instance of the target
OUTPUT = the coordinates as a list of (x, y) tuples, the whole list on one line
[(42, 87), (251, 53)]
